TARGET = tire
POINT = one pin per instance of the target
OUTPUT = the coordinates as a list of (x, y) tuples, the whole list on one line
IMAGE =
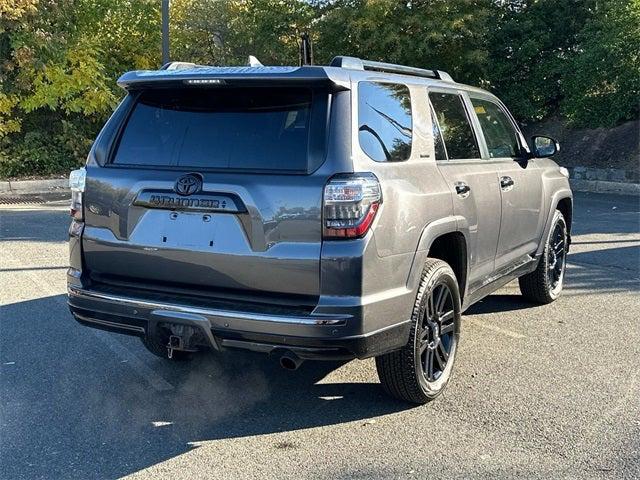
[(159, 348), (403, 373), (545, 283)]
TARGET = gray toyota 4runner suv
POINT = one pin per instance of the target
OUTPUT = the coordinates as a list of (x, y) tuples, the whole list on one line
[(339, 212)]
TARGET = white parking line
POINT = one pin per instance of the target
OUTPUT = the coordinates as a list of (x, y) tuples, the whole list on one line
[(493, 328), (148, 374)]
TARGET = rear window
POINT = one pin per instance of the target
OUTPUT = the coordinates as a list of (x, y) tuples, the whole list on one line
[(384, 121), (224, 128)]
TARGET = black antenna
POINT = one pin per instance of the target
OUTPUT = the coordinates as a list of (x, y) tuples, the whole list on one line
[(165, 32), (306, 50)]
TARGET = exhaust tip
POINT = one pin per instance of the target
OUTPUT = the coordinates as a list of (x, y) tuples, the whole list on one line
[(290, 361)]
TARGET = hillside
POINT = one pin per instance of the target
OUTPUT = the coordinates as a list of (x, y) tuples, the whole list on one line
[(605, 148)]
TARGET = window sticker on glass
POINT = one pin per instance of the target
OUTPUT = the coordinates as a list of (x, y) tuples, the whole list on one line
[(499, 133)]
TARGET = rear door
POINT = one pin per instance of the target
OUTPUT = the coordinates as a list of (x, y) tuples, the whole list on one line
[(520, 184), (473, 181), (214, 191)]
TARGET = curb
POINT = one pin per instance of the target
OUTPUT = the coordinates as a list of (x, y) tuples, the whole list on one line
[(602, 186), (34, 186)]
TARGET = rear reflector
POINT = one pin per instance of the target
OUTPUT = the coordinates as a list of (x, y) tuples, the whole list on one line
[(351, 202)]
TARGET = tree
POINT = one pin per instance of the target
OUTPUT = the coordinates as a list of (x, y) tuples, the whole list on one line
[(532, 46), (436, 34), (226, 33), (58, 79), (603, 86), (13, 15), (59, 59)]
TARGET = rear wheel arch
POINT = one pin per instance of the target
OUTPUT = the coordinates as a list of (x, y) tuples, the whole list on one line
[(452, 248), (444, 240)]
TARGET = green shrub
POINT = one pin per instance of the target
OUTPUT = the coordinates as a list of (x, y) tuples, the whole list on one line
[(603, 87), (575, 58), (51, 145)]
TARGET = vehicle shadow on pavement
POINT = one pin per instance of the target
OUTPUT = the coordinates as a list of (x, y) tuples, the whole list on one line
[(585, 275), (73, 408), (499, 303), (626, 260)]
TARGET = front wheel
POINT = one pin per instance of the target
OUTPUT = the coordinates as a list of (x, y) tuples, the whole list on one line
[(419, 371), (544, 284)]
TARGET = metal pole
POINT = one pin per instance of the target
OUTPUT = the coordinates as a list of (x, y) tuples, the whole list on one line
[(165, 32), (306, 50)]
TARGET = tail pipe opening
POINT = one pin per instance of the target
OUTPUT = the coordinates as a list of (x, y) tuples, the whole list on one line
[(290, 361)]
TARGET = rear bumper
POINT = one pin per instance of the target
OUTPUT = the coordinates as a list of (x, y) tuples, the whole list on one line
[(312, 336)]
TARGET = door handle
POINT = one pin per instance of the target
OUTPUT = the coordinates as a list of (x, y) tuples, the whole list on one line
[(506, 183), (462, 189)]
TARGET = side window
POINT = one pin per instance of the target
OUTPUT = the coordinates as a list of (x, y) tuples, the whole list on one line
[(501, 137), (384, 121), (438, 143), (456, 130)]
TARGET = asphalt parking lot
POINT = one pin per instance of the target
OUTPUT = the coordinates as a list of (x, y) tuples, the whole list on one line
[(539, 391)]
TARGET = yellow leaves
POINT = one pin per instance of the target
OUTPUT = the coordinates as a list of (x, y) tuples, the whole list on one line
[(7, 123), (143, 62), (16, 9), (239, 7), (76, 85)]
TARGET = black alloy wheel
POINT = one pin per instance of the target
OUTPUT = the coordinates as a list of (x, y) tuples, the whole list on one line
[(437, 335), (557, 256), (419, 371), (545, 283)]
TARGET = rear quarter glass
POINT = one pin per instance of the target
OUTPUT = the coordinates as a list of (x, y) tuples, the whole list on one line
[(240, 129), (384, 121)]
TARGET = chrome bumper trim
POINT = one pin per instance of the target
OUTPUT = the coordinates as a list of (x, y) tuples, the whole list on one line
[(325, 320)]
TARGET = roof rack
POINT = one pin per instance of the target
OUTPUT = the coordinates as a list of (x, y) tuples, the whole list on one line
[(359, 64)]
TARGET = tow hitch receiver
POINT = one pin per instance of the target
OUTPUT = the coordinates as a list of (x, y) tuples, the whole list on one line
[(181, 338)]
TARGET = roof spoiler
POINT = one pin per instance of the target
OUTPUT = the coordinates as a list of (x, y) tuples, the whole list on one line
[(188, 74), (354, 63)]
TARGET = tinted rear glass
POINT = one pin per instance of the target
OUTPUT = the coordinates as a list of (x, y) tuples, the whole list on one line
[(224, 128), (501, 137), (384, 121), (456, 130)]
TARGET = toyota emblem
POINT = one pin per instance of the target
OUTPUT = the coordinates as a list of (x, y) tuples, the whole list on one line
[(188, 184)]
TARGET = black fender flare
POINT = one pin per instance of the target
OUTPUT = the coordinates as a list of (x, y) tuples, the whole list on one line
[(553, 205), (431, 231)]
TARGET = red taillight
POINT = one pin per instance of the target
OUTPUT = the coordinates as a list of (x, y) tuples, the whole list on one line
[(77, 179), (351, 202)]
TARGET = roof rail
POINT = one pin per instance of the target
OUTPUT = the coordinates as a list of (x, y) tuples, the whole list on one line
[(359, 64)]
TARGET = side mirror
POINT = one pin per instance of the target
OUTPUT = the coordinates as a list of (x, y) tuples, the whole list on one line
[(544, 146)]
